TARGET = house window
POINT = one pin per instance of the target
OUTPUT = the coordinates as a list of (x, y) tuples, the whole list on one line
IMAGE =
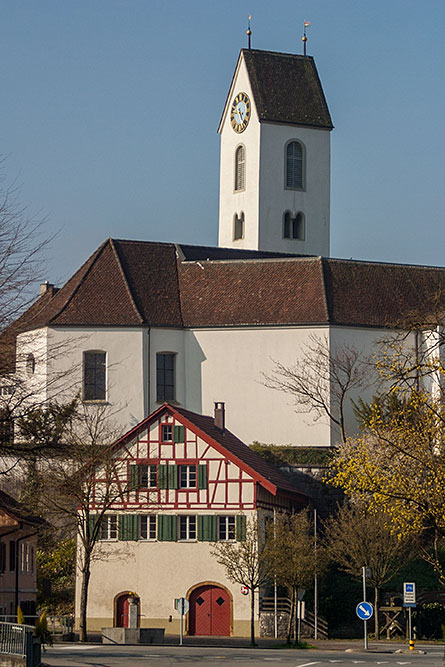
[(187, 527), (226, 528), (165, 376), (108, 527), (11, 555), (94, 376), (2, 557), (187, 477), (293, 227), (148, 476), (30, 364), (240, 168), (238, 226), (6, 428), (294, 165), (167, 433), (147, 527)]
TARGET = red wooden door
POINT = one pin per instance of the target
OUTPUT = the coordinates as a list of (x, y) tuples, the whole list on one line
[(122, 611), (209, 611)]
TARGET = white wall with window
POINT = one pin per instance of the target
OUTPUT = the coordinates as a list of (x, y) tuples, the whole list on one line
[(167, 345)]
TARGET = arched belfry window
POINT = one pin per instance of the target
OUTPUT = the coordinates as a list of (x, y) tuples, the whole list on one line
[(294, 165), (294, 226), (238, 226), (240, 168)]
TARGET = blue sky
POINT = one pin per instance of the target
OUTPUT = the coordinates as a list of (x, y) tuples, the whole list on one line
[(110, 107)]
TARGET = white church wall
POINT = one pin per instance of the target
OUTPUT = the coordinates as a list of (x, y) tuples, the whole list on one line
[(232, 363), (231, 202), (313, 200), (126, 351), (31, 365)]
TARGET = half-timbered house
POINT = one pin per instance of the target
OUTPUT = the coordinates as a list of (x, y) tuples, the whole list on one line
[(187, 482)]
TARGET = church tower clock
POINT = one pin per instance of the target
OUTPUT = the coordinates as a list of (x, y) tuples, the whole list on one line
[(275, 156)]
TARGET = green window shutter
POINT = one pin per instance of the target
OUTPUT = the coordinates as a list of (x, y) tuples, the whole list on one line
[(133, 477), (178, 433), (202, 476), (162, 477), (166, 528), (206, 528), (91, 522), (240, 527), (128, 527), (172, 476)]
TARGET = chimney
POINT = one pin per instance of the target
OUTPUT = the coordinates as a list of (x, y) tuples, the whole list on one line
[(220, 416), (46, 287)]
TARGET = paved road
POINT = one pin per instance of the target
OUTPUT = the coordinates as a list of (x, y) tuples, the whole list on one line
[(130, 656)]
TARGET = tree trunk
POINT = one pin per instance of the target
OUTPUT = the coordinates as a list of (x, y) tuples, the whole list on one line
[(291, 617), (376, 613), (86, 572), (252, 617)]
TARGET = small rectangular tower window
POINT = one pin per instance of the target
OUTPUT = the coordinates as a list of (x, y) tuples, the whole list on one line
[(94, 376)]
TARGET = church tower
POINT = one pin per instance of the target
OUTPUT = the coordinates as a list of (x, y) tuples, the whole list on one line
[(275, 156)]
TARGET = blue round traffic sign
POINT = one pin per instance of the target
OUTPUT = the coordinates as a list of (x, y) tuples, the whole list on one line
[(364, 610)]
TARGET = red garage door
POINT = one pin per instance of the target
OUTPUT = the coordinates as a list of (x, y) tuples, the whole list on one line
[(209, 611)]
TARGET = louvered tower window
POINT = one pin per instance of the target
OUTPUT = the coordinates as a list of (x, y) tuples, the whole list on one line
[(240, 168), (294, 165)]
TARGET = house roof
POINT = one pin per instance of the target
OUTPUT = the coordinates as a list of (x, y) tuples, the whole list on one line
[(286, 88), (226, 443), (140, 283), (16, 511)]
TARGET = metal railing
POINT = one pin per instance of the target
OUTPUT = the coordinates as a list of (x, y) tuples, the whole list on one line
[(16, 639)]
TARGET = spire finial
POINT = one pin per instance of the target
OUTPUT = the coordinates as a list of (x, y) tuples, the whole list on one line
[(248, 33), (306, 24)]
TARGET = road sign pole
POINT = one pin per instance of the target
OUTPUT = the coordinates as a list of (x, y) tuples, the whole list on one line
[(410, 633), (365, 623)]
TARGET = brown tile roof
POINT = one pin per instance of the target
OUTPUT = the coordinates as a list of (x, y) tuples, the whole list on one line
[(287, 88), (134, 283), (252, 292), (18, 512)]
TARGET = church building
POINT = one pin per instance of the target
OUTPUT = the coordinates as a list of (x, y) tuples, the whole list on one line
[(144, 322)]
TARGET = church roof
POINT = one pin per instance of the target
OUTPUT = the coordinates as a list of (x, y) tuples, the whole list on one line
[(141, 283), (286, 88)]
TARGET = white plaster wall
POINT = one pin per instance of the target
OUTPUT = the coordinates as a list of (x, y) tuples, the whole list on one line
[(231, 202), (126, 367), (32, 387), (158, 572), (232, 362), (367, 342), (313, 201)]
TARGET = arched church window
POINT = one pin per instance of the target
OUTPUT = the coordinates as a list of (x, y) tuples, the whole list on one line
[(240, 168), (294, 226), (238, 226), (294, 165)]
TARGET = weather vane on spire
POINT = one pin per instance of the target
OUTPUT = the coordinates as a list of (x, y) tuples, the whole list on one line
[(248, 32), (306, 24)]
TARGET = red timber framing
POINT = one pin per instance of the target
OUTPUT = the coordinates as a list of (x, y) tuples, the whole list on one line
[(230, 483)]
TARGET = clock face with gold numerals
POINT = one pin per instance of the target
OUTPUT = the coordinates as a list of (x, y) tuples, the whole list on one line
[(240, 112)]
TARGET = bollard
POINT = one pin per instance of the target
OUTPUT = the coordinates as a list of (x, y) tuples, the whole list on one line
[(411, 644)]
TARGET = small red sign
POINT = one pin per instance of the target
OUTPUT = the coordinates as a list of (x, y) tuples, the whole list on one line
[(244, 590)]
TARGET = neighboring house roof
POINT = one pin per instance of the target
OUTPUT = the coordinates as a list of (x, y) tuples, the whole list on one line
[(286, 88), (227, 444), (141, 283), (18, 513)]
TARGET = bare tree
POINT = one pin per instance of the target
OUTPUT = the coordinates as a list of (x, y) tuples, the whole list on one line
[(290, 549), (246, 563), (81, 484), (357, 538), (321, 380)]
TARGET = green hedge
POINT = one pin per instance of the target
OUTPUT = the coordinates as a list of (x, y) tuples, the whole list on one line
[(279, 454)]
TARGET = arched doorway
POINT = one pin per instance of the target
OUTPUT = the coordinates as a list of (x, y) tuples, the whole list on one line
[(122, 603), (210, 611)]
